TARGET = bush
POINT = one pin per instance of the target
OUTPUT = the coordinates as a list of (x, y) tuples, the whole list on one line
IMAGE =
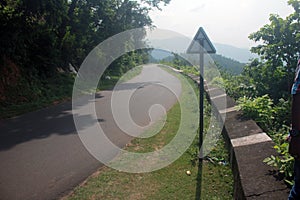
[(259, 109), (268, 115), (189, 70)]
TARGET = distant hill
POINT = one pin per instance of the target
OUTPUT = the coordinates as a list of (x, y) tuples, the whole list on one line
[(173, 44), (239, 54), (227, 64), (159, 54), (180, 44)]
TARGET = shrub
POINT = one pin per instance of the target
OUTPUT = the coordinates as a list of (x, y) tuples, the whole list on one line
[(259, 109)]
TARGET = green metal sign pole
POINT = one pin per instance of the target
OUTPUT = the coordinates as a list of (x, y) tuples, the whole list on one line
[(205, 47), (201, 98)]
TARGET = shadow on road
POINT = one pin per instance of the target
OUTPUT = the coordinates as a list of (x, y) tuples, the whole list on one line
[(134, 86), (56, 119), (41, 124)]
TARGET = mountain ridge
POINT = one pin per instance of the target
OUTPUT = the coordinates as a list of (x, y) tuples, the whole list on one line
[(180, 44)]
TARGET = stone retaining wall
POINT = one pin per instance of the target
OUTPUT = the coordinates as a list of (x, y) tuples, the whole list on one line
[(248, 146)]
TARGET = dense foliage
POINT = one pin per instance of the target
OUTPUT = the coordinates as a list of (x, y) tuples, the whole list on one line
[(40, 38)]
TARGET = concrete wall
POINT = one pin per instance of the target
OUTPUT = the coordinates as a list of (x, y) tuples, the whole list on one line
[(248, 146)]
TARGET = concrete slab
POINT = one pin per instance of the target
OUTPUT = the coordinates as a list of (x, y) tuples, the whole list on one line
[(216, 92), (237, 127), (257, 178), (249, 140)]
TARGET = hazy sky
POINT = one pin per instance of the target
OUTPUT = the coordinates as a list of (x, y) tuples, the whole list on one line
[(225, 21)]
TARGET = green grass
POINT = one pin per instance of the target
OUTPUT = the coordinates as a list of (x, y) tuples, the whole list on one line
[(210, 181)]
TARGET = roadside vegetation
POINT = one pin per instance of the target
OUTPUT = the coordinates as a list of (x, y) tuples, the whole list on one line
[(24, 98), (263, 88), (210, 179), (43, 44)]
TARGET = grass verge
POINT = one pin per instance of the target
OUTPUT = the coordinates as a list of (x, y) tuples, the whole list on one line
[(213, 180)]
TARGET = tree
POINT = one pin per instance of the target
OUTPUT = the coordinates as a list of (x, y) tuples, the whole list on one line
[(38, 37), (279, 50), (47, 34)]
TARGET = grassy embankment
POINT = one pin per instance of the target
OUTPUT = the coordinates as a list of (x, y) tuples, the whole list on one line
[(213, 180), (26, 98)]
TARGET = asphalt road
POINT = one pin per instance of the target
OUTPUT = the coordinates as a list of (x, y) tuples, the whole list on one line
[(41, 155)]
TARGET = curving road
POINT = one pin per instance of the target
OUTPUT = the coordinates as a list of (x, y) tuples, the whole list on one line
[(41, 155)]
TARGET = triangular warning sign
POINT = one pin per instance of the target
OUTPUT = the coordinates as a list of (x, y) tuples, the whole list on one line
[(195, 46)]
